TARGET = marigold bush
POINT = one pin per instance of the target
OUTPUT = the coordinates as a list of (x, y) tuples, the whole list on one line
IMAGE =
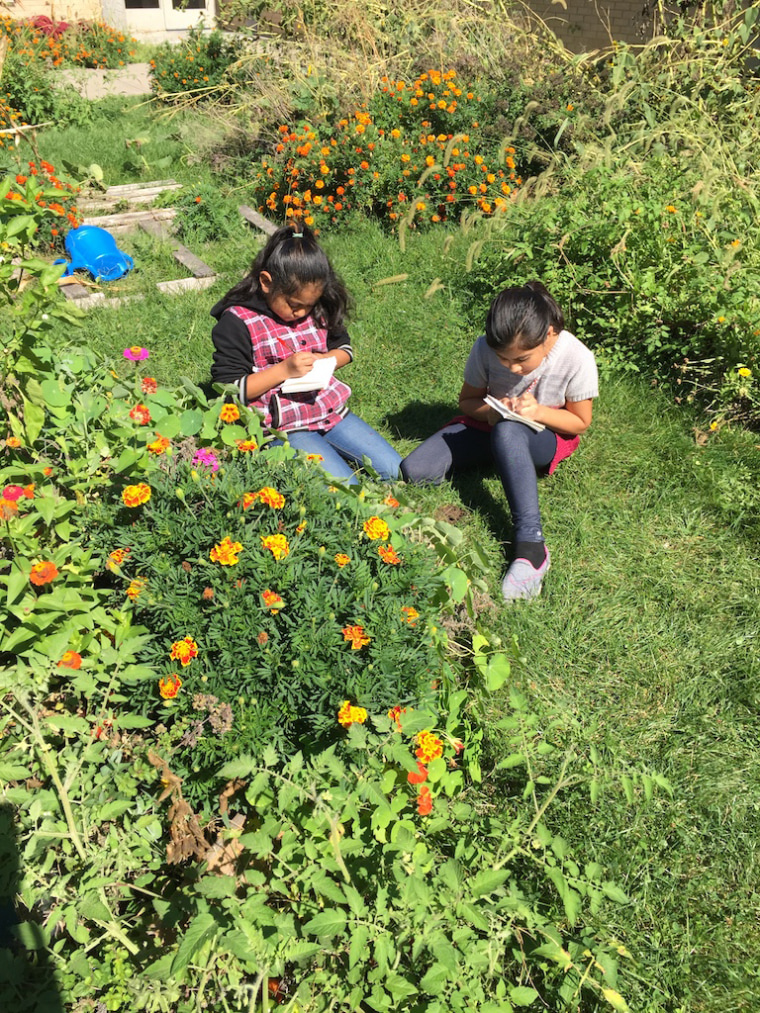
[(410, 153), (238, 583)]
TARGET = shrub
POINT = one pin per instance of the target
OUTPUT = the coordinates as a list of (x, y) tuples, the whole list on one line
[(40, 42), (203, 214), (407, 155), (293, 594), (195, 66), (53, 200)]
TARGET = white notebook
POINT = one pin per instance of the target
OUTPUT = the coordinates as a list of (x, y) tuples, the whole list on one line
[(317, 378), (507, 413)]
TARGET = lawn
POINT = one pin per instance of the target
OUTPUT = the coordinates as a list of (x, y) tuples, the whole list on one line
[(640, 657)]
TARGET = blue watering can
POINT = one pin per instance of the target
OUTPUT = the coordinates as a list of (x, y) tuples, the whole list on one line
[(94, 249)]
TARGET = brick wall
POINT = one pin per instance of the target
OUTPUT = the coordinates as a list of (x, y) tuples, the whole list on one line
[(591, 24)]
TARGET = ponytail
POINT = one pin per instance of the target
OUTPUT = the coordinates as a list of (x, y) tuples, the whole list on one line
[(293, 259)]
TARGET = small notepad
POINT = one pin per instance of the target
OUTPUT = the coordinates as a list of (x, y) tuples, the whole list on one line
[(317, 378), (507, 413)]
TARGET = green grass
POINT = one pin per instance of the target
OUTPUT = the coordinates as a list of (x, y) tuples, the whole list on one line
[(646, 636)]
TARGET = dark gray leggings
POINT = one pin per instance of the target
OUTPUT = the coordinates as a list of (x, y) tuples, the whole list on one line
[(517, 451)]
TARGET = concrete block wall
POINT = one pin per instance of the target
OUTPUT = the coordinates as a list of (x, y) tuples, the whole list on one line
[(591, 24)]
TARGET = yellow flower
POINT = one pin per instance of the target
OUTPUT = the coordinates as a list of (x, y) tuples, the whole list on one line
[(136, 495), (744, 371), (277, 545), (226, 552), (342, 559), (349, 715), (375, 528), (184, 651)]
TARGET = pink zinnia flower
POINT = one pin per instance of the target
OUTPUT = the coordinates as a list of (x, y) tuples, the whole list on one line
[(207, 458), (136, 354)]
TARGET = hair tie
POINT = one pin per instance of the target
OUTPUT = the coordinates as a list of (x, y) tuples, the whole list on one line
[(297, 235)]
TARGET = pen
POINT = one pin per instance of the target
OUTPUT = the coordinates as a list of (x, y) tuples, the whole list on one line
[(531, 386)]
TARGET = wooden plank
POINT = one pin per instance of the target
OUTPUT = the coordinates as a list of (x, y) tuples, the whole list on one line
[(185, 285), (131, 219), (188, 259), (159, 229), (142, 196), (257, 220), (74, 291), (126, 188)]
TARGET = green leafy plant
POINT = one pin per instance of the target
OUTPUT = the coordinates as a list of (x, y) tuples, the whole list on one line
[(196, 66), (203, 214)]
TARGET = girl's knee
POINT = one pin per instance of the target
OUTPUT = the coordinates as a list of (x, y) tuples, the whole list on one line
[(420, 470)]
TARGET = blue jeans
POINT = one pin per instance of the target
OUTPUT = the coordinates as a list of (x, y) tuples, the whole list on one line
[(351, 440), (517, 451)]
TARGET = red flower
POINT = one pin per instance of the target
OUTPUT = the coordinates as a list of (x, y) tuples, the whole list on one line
[(141, 414), (420, 777)]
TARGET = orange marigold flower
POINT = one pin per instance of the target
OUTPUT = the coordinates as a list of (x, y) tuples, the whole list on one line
[(301, 528), (229, 413), (160, 445), (141, 414), (342, 559), (277, 545), (184, 651), (270, 496), (272, 600), (116, 558), (71, 659), (356, 635), (245, 446), (419, 776), (411, 615), (136, 495), (375, 528), (318, 458), (226, 552), (136, 588), (424, 801), (169, 686), (43, 573), (349, 715), (13, 441), (395, 715), (388, 554), (429, 747)]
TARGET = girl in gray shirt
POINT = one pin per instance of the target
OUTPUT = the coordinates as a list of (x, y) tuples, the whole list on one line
[(527, 361)]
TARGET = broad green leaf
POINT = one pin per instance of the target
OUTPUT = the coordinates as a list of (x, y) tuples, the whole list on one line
[(614, 892), (34, 419), (68, 723), (230, 434), (434, 979), (17, 584), (398, 986), (357, 951), (327, 923), (497, 672), (190, 422), (488, 881), (133, 721), (169, 426), (13, 772), (513, 760), (522, 995), (202, 928), (615, 1000)]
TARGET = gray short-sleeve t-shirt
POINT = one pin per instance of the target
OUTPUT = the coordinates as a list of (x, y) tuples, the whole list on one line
[(567, 373)]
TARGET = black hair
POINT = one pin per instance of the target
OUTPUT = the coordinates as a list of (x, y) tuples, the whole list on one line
[(522, 314), (293, 258)]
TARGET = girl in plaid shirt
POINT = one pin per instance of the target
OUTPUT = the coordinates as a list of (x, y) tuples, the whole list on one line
[(286, 313)]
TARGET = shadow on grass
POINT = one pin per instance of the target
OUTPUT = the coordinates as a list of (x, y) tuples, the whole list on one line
[(27, 979), (478, 489)]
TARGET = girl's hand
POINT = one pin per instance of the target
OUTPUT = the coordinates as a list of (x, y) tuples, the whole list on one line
[(300, 363), (526, 405)]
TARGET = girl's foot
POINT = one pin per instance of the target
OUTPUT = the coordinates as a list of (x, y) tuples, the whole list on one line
[(523, 580)]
